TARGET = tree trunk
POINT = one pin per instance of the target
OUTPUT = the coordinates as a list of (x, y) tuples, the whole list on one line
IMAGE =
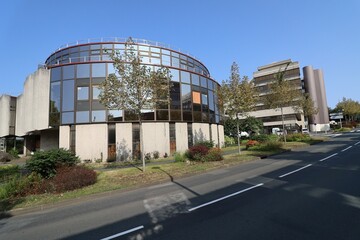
[(238, 133), (283, 124)]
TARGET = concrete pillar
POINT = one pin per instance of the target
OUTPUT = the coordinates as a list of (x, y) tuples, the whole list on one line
[(181, 137), (64, 137), (123, 141)]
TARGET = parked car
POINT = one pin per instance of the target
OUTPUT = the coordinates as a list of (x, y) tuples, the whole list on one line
[(305, 131), (244, 134)]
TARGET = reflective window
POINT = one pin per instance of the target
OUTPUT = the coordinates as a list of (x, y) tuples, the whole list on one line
[(211, 101), (95, 92), (175, 62), (74, 49), (96, 105), (185, 77), (174, 54), (155, 49), (203, 82), (83, 71), (175, 96), (69, 72), (68, 95), (119, 46), (98, 70), (67, 117), (82, 116), (162, 115), (155, 61), (196, 97), (204, 99), (145, 60), (82, 93), (175, 75), (98, 116), (110, 68), (55, 74), (143, 48), (165, 60), (195, 79), (83, 106), (107, 47), (84, 48), (55, 97), (115, 115), (163, 51), (147, 114), (97, 46)]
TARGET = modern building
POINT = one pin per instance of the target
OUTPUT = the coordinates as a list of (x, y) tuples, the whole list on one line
[(60, 108), (312, 83)]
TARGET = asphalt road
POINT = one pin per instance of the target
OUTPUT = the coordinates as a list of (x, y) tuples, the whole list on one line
[(309, 193)]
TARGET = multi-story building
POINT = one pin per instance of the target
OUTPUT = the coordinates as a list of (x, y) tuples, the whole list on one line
[(312, 83), (60, 108)]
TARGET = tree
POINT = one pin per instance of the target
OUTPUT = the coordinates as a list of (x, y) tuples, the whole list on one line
[(136, 87), (238, 96), (282, 93), (349, 107), (305, 105), (249, 124)]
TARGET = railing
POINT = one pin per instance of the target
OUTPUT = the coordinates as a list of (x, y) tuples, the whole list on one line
[(123, 40)]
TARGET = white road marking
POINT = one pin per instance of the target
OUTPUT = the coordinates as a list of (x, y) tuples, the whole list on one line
[(336, 135), (352, 131), (123, 233), (357, 143), (346, 149), (225, 197), (286, 174), (328, 157)]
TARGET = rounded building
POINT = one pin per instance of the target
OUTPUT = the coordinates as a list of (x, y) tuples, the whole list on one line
[(93, 132)]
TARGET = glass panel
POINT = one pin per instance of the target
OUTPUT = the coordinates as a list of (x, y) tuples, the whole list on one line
[(119, 46), (175, 115), (186, 97), (98, 116), (55, 74), (83, 106), (98, 70), (82, 117), (107, 46), (203, 82), (175, 96), (83, 82), (155, 49), (174, 54), (187, 116), (185, 77), (95, 92), (110, 69), (96, 105), (69, 72), (130, 116), (68, 96), (83, 48), (74, 49), (145, 60), (97, 46), (162, 115), (115, 115), (195, 79), (143, 48), (175, 62), (174, 75), (196, 97), (147, 114), (82, 93), (211, 101), (55, 97), (67, 117), (83, 71), (163, 51), (204, 99), (155, 61), (165, 60)]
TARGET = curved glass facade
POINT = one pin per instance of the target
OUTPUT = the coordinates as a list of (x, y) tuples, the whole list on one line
[(77, 71)]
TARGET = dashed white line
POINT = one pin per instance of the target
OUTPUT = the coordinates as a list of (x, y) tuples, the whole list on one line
[(328, 157), (357, 143), (123, 233), (286, 174), (225, 197), (346, 149)]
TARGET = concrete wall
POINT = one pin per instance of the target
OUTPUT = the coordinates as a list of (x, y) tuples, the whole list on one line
[(32, 111), (49, 139), (181, 137), (156, 138), (201, 132), (214, 135), (64, 137), (4, 115), (221, 135), (91, 141), (123, 141)]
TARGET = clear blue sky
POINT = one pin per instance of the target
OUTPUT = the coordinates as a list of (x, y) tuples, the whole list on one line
[(321, 33)]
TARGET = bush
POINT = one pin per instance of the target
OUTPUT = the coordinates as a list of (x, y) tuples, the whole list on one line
[(229, 141), (197, 152), (46, 162), (179, 157), (268, 146), (8, 172), (156, 154), (206, 143), (262, 138), (214, 154), (297, 137), (5, 157), (14, 153), (251, 143), (147, 156)]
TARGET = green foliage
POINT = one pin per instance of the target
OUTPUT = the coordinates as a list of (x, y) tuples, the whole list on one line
[(14, 153), (197, 152), (263, 138), (298, 137), (229, 141), (9, 171), (46, 162), (249, 124), (147, 156), (179, 157), (344, 129), (251, 143), (156, 154), (206, 143), (214, 154), (268, 146), (5, 157)]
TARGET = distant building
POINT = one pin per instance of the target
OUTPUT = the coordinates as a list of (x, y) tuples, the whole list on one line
[(312, 83), (60, 108)]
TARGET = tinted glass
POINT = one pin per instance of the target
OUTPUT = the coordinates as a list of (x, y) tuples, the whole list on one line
[(211, 101), (98, 116), (98, 70), (67, 117), (175, 75), (203, 82), (95, 92), (55, 97), (69, 72), (68, 95), (165, 60), (82, 93), (56, 74), (195, 79), (175, 62), (115, 115), (185, 77), (83, 71), (186, 97), (82, 117)]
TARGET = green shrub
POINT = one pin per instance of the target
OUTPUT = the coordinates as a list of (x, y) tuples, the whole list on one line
[(262, 138), (156, 154), (14, 153), (268, 146), (297, 137), (214, 154), (8, 172), (46, 162), (206, 143), (229, 141), (197, 152), (251, 143), (147, 156), (179, 157)]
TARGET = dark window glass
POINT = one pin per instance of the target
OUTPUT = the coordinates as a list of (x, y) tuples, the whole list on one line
[(175, 115), (83, 82), (212, 118), (186, 97), (96, 105), (197, 112), (211, 101), (67, 117), (98, 116), (111, 142), (69, 72), (82, 117), (54, 119), (68, 96), (203, 82), (83, 71), (187, 116), (175, 96), (185, 77), (205, 116), (72, 138), (83, 106), (147, 115), (130, 116), (97, 80), (162, 115), (55, 97), (55, 74)]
